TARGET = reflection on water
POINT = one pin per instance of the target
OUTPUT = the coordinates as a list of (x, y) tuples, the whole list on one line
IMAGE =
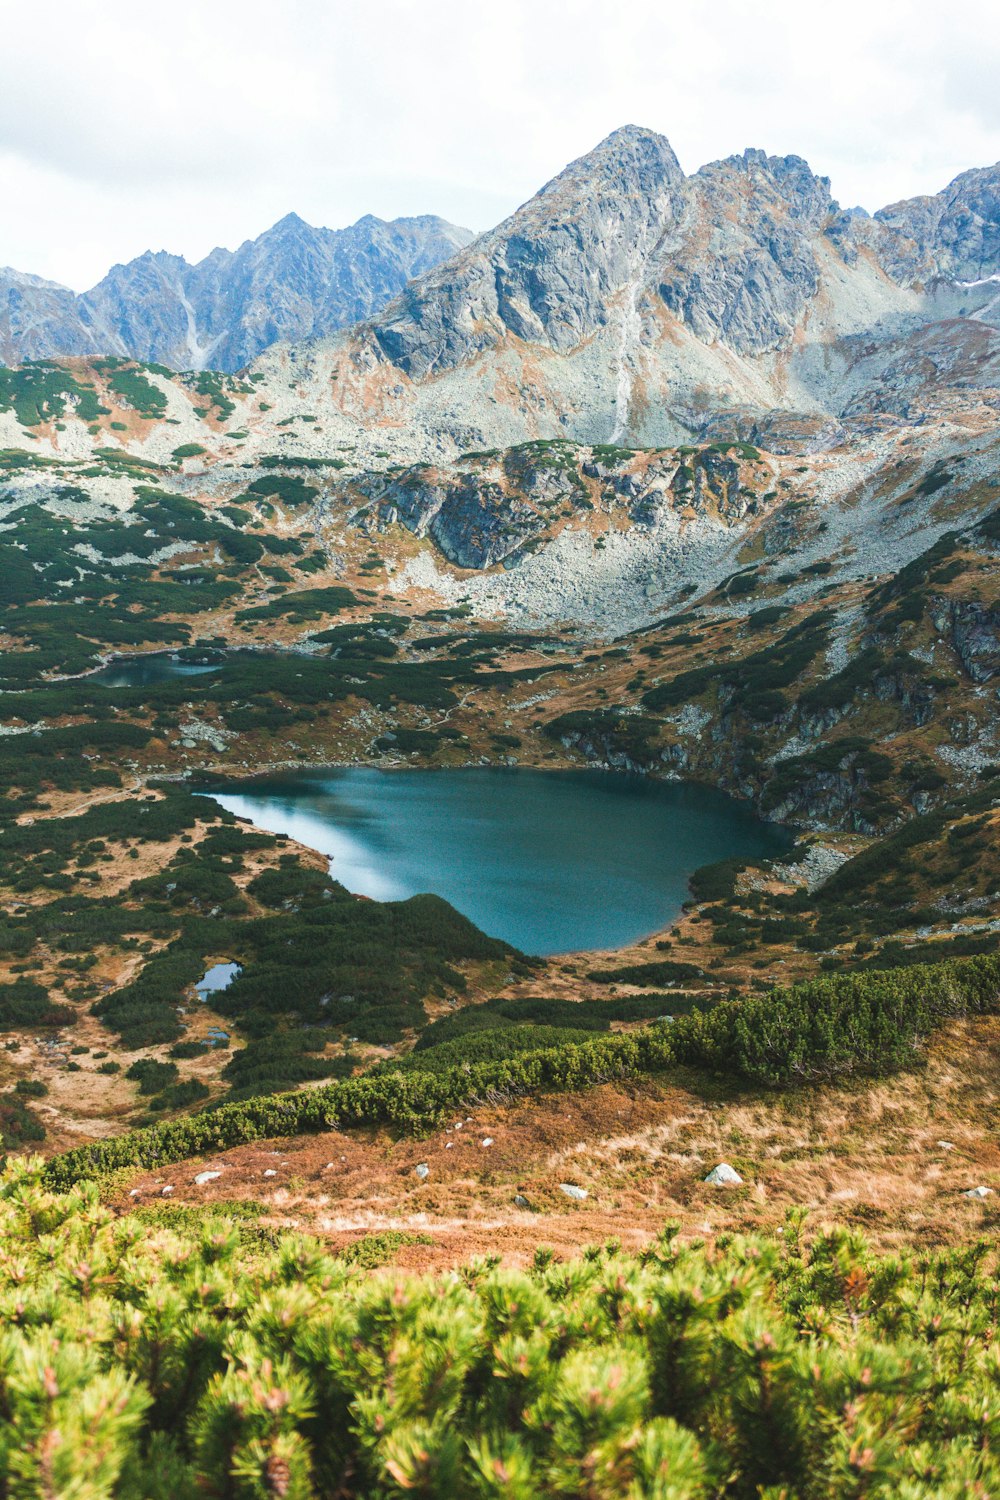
[(148, 671), (553, 861), (218, 977)]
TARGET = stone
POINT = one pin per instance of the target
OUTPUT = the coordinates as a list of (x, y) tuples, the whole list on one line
[(978, 1192), (520, 1201), (723, 1175), (487, 1140), (204, 1177), (422, 1170), (270, 1172), (578, 1194)]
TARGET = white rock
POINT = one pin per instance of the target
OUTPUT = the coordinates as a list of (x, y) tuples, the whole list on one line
[(134, 1193), (947, 1145), (723, 1174), (422, 1170), (165, 1190), (487, 1140), (270, 1172), (572, 1191), (978, 1192), (204, 1177), (520, 1201), (448, 1145)]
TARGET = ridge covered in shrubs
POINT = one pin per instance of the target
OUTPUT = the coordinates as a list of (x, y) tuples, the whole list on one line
[(863, 1023)]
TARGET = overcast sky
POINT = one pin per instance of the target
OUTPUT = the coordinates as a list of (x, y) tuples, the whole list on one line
[(189, 125)]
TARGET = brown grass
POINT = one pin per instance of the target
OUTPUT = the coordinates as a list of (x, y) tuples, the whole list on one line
[(862, 1154)]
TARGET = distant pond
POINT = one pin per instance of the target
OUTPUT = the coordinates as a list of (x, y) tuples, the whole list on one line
[(553, 861), (149, 670)]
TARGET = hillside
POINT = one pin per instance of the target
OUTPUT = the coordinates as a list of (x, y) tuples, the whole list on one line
[(688, 476), (816, 632)]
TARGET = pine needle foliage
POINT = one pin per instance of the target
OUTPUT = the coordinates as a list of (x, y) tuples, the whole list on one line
[(152, 1362)]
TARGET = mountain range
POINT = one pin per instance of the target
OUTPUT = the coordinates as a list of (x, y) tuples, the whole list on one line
[(292, 282), (625, 302), (629, 302)]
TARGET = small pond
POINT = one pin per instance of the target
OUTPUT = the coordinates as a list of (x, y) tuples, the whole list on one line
[(218, 977)]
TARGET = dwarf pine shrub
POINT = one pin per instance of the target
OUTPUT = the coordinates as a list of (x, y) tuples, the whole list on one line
[(151, 1360)]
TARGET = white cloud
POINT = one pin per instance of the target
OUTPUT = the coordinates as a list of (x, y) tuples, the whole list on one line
[(187, 126)]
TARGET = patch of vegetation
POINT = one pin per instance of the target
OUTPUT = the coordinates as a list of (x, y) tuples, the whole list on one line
[(753, 684), (743, 1368), (40, 392), (379, 1249)]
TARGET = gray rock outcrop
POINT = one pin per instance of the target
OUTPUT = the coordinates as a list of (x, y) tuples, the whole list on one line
[(294, 282)]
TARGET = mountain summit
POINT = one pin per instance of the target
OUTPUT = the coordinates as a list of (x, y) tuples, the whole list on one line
[(547, 274), (292, 282)]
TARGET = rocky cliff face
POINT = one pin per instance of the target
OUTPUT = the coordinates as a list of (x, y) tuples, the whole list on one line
[(954, 234), (741, 264), (550, 273), (293, 282), (629, 302)]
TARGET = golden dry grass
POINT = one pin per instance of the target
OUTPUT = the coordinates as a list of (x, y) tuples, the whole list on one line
[(868, 1155)]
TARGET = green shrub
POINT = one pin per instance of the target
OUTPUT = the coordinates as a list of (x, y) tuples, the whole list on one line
[(31, 1088), (151, 1075), (174, 1353)]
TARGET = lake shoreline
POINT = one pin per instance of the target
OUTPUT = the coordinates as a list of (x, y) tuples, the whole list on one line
[(556, 861)]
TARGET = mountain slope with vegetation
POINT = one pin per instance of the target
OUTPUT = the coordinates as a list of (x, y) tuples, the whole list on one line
[(605, 489)]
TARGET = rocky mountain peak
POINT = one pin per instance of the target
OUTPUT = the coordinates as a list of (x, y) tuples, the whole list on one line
[(293, 281), (550, 273), (629, 156), (955, 233)]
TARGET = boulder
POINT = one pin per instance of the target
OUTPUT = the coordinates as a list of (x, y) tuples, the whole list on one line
[(723, 1175)]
